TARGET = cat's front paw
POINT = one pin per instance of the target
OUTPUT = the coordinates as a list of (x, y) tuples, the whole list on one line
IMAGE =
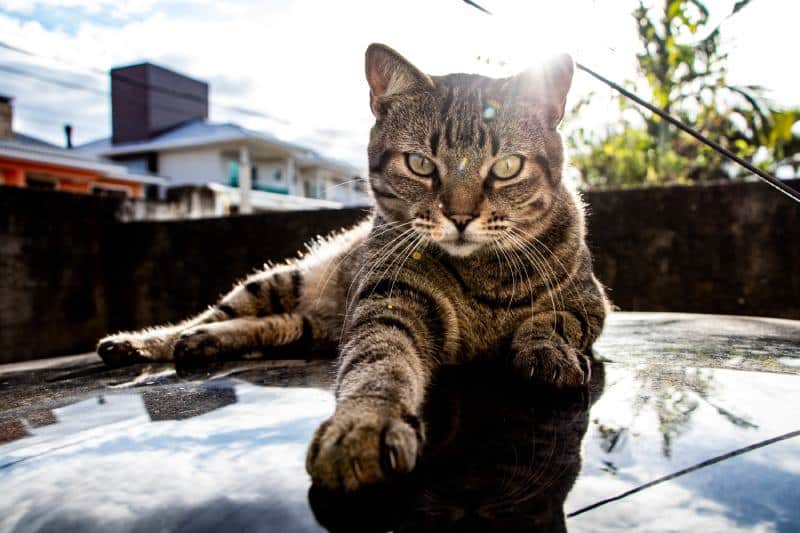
[(361, 446), (120, 350), (553, 363), (196, 345)]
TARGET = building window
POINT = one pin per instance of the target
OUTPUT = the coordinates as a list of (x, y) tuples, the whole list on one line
[(139, 164), (277, 175), (233, 173), (309, 189), (41, 182)]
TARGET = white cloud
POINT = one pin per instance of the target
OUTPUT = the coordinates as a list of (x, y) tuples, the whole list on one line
[(303, 60), (111, 458), (129, 7)]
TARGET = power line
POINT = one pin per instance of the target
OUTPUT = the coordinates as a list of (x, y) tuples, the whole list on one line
[(478, 7), (94, 90), (47, 79), (69, 84), (766, 177), (136, 83), (321, 132)]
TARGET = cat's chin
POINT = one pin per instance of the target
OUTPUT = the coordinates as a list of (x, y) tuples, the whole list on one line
[(460, 248)]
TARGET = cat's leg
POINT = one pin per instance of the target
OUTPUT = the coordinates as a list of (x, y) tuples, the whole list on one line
[(312, 288), (151, 344), (274, 291), (243, 335), (554, 348), (384, 370)]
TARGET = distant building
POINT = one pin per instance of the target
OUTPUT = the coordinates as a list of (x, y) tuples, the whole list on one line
[(160, 125), (29, 162)]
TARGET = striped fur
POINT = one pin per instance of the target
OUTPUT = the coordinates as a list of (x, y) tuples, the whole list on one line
[(456, 266)]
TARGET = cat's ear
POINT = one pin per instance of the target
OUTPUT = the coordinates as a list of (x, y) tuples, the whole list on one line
[(389, 73), (546, 87)]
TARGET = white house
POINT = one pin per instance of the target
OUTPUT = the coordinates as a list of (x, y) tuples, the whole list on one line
[(160, 125), (203, 153)]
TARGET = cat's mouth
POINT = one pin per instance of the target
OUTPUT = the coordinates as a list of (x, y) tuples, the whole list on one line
[(459, 246), (457, 240), (457, 243)]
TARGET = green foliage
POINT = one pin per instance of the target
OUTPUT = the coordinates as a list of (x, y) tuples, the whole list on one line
[(684, 69)]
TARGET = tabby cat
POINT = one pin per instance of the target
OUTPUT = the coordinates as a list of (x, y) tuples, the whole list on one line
[(475, 250)]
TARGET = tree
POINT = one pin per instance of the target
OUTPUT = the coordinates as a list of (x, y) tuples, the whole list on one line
[(684, 72)]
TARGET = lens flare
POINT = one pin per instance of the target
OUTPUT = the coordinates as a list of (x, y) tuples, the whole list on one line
[(462, 164), (490, 108)]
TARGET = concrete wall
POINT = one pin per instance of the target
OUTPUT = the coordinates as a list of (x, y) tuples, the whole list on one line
[(52, 296), (189, 264), (732, 249), (69, 272)]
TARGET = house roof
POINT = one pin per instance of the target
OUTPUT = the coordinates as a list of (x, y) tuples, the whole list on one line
[(34, 152), (199, 133), (27, 140)]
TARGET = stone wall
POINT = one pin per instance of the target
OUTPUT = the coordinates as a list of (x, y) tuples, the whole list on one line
[(70, 272), (726, 249), (164, 271), (52, 296)]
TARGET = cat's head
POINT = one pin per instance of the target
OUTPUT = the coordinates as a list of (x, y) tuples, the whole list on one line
[(467, 161)]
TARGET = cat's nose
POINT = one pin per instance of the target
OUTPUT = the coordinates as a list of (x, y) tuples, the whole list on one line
[(461, 221)]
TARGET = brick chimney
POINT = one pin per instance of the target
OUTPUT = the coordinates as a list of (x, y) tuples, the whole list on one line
[(147, 100), (6, 117)]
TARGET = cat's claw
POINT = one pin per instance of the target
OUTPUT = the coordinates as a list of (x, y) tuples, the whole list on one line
[(555, 364), (196, 345), (119, 351), (354, 449)]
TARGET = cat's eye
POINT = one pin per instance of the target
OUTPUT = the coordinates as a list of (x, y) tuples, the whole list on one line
[(508, 167), (420, 165)]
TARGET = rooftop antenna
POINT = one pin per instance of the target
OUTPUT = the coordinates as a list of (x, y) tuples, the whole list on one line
[(68, 135)]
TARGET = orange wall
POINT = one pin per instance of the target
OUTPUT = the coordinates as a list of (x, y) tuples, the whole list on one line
[(13, 173), (13, 176)]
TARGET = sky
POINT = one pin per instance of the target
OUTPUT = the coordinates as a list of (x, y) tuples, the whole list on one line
[(301, 62)]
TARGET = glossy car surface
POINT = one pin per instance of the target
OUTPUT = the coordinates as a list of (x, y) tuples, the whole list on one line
[(690, 424)]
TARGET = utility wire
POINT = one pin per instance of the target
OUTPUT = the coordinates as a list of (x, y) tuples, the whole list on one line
[(766, 177), (127, 80), (68, 84), (688, 470), (47, 79), (11, 69), (478, 7)]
